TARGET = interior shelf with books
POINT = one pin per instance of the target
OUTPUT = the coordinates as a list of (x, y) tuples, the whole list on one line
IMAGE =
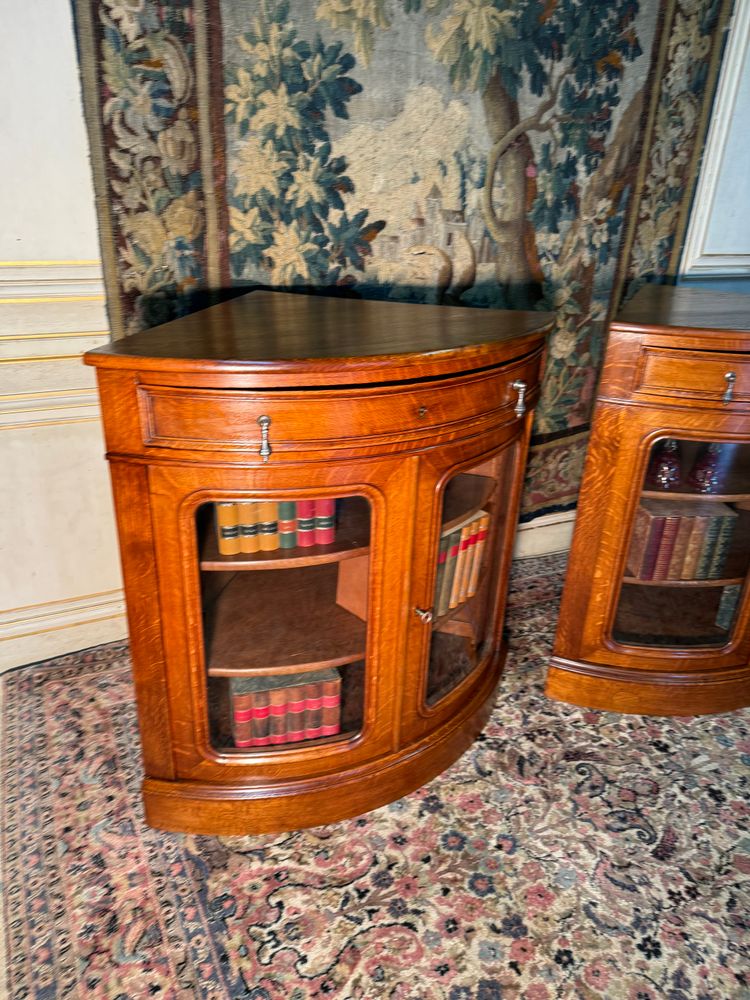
[(267, 712), (281, 637), (467, 534), (267, 534), (691, 533)]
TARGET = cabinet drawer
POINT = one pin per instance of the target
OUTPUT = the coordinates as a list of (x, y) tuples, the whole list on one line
[(694, 374), (207, 419)]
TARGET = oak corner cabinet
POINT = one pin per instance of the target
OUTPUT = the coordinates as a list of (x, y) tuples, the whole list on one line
[(316, 500), (655, 609)]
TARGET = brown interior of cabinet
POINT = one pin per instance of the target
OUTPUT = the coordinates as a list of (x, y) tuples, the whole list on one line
[(282, 622)]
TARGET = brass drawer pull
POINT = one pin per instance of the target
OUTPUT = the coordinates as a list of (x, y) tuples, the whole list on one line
[(265, 446), (730, 378), (520, 386)]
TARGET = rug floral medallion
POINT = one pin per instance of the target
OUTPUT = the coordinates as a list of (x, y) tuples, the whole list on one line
[(568, 853), (526, 155)]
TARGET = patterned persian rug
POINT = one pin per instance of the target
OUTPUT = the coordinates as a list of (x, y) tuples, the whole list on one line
[(568, 853)]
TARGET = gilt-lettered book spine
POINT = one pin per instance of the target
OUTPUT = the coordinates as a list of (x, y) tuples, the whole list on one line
[(248, 525), (287, 524), (268, 525), (305, 523), (325, 521), (227, 529)]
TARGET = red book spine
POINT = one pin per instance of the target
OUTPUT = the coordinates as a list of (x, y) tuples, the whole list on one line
[(325, 521), (299, 697), (324, 716), (305, 523), (250, 719), (277, 729)]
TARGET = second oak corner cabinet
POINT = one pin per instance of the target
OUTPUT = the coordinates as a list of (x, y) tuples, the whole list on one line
[(655, 610), (316, 500)]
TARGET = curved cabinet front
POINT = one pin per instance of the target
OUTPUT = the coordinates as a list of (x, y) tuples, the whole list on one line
[(299, 655)]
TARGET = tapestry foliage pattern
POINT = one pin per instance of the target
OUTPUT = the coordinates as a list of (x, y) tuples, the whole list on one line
[(529, 155)]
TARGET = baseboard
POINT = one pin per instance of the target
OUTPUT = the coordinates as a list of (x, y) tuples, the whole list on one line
[(546, 535), (42, 631)]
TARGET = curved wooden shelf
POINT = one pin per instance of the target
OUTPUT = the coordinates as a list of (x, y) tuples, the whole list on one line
[(683, 583), (289, 624), (352, 539), (674, 495)]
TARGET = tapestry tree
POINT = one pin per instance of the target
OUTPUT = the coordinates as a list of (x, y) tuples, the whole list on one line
[(287, 211)]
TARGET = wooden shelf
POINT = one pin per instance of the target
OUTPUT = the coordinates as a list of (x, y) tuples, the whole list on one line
[(322, 741), (352, 539), (632, 580), (681, 495), (286, 621), (464, 494)]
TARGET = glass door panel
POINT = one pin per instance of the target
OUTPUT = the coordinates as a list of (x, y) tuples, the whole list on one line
[(284, 590), (689, 549), (465, 584)]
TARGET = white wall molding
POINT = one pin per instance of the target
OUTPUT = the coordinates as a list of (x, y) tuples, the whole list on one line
[(34, 278), (49, 410), (545, 535), (34, 632), (715, 190)]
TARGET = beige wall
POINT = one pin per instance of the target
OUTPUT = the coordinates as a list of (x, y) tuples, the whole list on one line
[(60, 586)]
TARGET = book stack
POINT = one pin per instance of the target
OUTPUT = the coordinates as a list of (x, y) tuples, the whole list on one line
[(459, 561), (285, 708), (681, 540), (266, 525)]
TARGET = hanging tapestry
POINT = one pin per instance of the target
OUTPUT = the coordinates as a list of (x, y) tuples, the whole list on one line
[(534, 154)]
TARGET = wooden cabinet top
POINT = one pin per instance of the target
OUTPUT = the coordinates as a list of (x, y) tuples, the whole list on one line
[(320, 340), (670, 309)]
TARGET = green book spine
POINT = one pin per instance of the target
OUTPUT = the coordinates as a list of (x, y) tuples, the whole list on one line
[(723, 542), (442, 559), (287, 524), (709, 548), (728, 605)]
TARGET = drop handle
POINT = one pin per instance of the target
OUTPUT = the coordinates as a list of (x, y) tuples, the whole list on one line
[(265, 445), (520, 387), (730, 378), (424, 614)]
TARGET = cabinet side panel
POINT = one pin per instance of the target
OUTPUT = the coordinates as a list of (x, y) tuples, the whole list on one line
[(130, 486)]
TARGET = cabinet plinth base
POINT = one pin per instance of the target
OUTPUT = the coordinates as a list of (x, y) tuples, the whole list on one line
[(230, 810), (700, 693)]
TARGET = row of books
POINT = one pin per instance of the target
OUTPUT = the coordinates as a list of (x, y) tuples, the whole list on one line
[(459, 561), (253, 526), (285, 708), (682, 540)]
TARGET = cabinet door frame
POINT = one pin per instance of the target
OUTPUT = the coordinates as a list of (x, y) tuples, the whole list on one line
[(176, 493), (436, 469), (619, 452)]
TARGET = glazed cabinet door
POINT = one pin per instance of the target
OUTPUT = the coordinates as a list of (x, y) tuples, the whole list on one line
[(467, 514), (671, 543), (275, 593), (689, 549)]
